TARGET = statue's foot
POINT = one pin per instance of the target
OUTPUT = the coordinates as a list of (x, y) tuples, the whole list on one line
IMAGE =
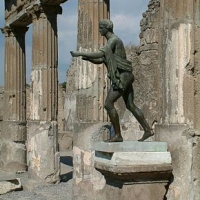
[(146, 135), (115, 138)]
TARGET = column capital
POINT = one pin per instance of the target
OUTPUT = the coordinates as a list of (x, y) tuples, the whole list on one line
[(48, 10), (14, 30)]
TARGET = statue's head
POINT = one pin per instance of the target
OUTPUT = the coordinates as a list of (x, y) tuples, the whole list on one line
[(107, 24)]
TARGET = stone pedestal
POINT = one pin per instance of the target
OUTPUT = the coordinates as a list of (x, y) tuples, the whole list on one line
[(141, 170)]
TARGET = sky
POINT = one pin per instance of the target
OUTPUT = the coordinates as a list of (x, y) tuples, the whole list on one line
[(125, 14)]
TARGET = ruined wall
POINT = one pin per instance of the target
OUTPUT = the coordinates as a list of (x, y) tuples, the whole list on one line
[(144, 59), (61, 98), (70, 99)]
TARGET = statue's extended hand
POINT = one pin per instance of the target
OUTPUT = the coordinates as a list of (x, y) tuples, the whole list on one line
[(75, 53)]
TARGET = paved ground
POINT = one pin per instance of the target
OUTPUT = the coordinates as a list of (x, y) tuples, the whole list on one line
[(61, 191)]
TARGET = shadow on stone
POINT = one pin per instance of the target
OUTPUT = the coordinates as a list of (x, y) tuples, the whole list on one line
[(67, 160), (66, 177), (168, 185), (116, 184)]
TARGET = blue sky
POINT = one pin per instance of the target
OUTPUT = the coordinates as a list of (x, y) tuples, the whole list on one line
[(126, 15)]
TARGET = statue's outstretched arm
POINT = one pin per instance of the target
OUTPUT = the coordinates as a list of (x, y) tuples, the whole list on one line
[(94, 60), (95, 55)]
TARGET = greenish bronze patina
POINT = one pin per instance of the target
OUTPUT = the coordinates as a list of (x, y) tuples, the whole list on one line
[(113, 55)]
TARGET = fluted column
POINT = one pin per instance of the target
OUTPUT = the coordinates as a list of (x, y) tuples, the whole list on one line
[(43, 156), (91, 80), (13, 139)]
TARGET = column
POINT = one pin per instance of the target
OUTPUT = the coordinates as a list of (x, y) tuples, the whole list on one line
[(43, 156), (92, 79), (13, 151), (91, 85), (179, 64)]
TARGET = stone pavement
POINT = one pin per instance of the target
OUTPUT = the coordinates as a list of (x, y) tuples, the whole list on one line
[(61, 191)]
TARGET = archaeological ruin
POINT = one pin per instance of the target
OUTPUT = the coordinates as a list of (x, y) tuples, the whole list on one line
[(39, 122)]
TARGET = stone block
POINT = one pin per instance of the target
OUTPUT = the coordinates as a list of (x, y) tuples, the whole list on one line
[(86, 135), (16, 159), (9, 186), (134, 161), (183, 143), (14, 131), (131, 146), (42, 149), (65, 140), (135, 158), (4, 176)]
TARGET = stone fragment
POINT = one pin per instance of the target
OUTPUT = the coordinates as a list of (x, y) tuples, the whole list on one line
[(9, 182)]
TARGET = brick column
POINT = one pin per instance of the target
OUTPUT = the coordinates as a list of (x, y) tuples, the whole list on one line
[(43, 156), (13, 151)]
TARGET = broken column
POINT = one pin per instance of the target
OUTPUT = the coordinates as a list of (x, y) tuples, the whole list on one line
[(43, 155), (13, 137)]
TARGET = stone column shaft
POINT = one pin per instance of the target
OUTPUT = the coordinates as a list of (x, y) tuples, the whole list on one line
[(176, 62), (45, 67), (91, 77), (180, 62), (43, 157), (197, 64), (15, 74), (14, 117)]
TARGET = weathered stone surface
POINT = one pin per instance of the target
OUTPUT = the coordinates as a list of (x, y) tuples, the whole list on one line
[(61, 102), (65, 140), (89, 82), (1, 102), (131, 146), (183, 144), (146, 86), (135, 173), (9, 182), (17, 12), (4, 176), (13, 133), (9, 186), (85, 176), (15, 161), (134, 158), (43, 156)]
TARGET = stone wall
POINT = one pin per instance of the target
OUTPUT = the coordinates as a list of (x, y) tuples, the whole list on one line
[(61, 99), (70, 99)]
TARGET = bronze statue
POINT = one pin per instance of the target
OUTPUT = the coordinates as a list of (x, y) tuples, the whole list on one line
[(113, 55)]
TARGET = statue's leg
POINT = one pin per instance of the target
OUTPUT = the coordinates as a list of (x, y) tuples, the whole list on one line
[(111, 98), (128, 97)]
